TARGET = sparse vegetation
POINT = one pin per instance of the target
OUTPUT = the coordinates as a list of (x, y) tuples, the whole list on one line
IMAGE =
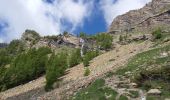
[(122, 97), (89, 56), (109, 74), (96, 91), (86, 71), (157, 33), (134, 94), (150, 69), (143, 58), (120, 38)]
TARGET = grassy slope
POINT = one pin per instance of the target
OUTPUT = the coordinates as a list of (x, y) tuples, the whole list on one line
[(97, 91), (144, 60)]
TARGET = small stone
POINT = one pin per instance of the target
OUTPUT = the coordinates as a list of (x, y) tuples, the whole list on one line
[(86, 92), (164, 54), (134, 85), (127, 73), (154, 92)]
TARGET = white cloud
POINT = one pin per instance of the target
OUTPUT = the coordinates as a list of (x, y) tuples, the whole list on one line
[(40, 16), (1, 41), (49, 19), (112, 9)]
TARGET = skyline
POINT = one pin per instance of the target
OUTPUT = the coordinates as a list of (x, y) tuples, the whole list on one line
[(52, 17)]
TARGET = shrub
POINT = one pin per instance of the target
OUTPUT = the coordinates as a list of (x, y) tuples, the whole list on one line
[(25, 67), (89, 56), (104, 41), (34, 33), (65, 33), (157, 33), (56, 67), (87, 71), (4, 57), (120, 38), (15, 47), (75, 58), (83, 35)]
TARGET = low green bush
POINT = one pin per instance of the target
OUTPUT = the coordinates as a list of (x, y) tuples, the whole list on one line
[(89, 56), (157, 33), (87, 71), (104, 41)]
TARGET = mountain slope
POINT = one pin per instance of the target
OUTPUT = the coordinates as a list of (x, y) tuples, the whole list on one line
[(75, 80)]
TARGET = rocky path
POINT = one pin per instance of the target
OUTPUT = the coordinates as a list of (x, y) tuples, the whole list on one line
[(75, 80)]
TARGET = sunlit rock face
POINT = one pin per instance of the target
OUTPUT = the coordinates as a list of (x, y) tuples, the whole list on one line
[(153, 15)]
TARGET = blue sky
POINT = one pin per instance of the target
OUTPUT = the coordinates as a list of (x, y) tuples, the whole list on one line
[(94, 24), (52, 17)]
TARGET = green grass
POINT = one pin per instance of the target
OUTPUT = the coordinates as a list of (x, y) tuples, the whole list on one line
[(109, 74), (159, 73), (86, 71), (134, 94), (123, 98), (158, 42), (152, 97), (96, 91), (147, 57)]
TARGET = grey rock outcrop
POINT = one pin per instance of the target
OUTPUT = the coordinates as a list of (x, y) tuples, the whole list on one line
[(32, 39)]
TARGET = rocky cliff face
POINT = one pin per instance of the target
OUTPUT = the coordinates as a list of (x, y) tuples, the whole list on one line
[(155, 14)]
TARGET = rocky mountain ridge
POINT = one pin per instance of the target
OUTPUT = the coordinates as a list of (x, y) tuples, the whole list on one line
[(155, 14)]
